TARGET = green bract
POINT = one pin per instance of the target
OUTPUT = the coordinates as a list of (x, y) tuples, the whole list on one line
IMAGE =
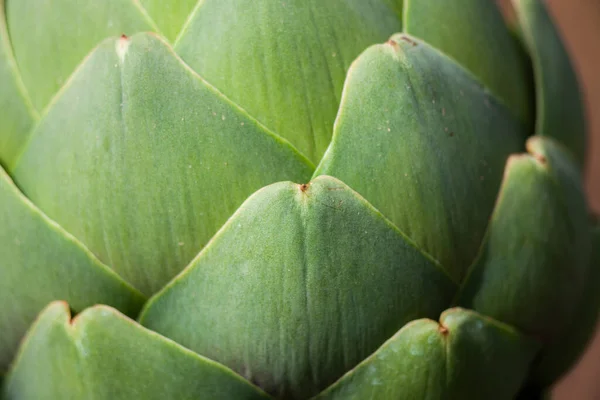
[(300, 199)]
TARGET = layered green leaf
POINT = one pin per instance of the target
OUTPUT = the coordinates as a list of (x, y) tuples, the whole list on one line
[(560, 112), (465, 356), (18, 114), (285, 61), (51, 37), (299, 286), (474, 33), (150, 166), (533, 266), (143, 161), (39, 263), (426, 144), (103, 355), (170, 16), (560, 355)]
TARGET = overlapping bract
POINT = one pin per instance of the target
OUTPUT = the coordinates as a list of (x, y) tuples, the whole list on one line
[(158, 165)]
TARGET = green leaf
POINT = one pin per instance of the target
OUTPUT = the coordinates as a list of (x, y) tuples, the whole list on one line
[(40, 262), (560, 112), (474, 33), (18, 115), (540, 222), (170, 16), (558, 357), (421, 140), (396, 6), (146, 170), (103, 355), (299, 286), (285, 61), (51, 37), (466, 356)]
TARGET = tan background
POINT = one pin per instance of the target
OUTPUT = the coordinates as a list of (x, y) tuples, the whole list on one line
[(579, 22)]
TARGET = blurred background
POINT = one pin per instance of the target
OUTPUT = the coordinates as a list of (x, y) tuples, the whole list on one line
[(579, 22)]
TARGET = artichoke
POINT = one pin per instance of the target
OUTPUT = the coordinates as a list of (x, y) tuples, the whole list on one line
[(296, 199)]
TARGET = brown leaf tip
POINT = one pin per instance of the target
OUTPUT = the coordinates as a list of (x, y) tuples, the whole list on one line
[(540, 158), (408, 40), (393, 43), (122, 47), (443, 330)]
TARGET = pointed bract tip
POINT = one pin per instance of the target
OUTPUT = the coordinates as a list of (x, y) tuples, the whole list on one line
[(122, 47), (392, 43)]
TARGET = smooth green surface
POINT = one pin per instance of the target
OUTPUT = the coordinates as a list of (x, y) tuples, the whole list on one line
[(465, 356), (396, 6), (285, 61), (171, 15), (146, 170), (421, 140), (102, 355), (560, 112), (298, 287), (39, 263), (18, 114), (51, 37), (562, 354), (532, 269), (474, 33)]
